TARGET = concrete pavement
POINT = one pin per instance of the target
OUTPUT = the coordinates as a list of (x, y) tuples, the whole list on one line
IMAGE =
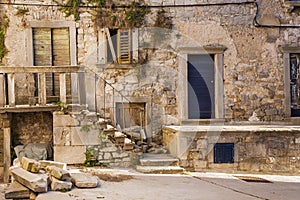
[(194, 186)]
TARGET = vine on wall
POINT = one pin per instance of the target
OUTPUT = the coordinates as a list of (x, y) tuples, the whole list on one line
[(107, 14), (4, 23)]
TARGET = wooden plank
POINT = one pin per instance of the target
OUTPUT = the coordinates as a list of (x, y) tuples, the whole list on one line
[(7, 157), (63, 89), (11, 89), (111, 46), (42, 89), (2, 90)]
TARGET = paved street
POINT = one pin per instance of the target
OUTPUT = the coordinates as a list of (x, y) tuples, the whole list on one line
[(197, 186)]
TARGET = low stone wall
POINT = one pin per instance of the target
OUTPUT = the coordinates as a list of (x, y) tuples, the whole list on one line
[(78, 134), (269, 150)]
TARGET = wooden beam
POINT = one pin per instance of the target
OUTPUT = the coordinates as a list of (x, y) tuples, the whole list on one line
[(42, 89), (2, 91), (6, 150), (111, 46), (11, 90), (63, 88), (40, 69)]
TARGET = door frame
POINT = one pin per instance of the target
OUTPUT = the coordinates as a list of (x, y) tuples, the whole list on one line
[(218, 53)]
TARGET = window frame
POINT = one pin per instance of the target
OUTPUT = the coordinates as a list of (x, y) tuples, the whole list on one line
[(103, 45), (52, 24), (287, 51)]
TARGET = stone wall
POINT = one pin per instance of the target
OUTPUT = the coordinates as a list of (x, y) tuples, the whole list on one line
[(32, 127), (256, 150), (80, 133), (253, 63)]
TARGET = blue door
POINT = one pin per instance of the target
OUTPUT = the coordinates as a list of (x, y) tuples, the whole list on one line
[(201, 86)]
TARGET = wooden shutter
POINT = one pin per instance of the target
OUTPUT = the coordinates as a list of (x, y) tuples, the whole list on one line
[(52, 48), (61, 55), (124, 46)]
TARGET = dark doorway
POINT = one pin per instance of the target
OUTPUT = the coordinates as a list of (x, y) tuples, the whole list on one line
[(201, 93)]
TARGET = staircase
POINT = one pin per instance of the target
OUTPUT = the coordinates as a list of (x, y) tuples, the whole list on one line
[(159, 164)]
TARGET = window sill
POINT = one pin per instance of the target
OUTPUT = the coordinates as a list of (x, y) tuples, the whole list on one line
[(115, 66)]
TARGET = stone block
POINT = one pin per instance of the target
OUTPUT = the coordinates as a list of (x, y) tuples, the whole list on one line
[(58, 185), (90, 137), (61, 136), (84, 180), (69, 154), (30, 165), (46, 163), (35, 182), (58, 173), (64, 120), (17, 191)]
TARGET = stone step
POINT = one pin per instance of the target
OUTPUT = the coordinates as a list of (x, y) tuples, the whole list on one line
[(160, 169), (149, 159)]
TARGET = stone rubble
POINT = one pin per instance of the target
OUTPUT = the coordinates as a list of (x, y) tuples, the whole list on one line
[(37, 177)]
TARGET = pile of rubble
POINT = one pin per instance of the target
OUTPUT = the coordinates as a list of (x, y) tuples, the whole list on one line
[(31, 177)]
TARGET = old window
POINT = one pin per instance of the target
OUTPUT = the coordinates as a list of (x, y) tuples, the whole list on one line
[(52, 43), (51, 47), (118, 46)]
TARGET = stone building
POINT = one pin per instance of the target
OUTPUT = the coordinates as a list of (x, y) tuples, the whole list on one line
[(219, 81)]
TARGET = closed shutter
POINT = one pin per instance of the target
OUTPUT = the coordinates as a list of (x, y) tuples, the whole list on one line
[(52, 48), (61, 55), (124, 46)]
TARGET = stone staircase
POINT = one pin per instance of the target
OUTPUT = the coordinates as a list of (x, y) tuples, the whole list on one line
[(159, 164)]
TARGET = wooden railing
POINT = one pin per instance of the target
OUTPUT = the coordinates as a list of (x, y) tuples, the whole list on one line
[(8, 83)]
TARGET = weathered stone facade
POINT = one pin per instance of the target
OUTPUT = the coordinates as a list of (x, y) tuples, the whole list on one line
[(247, 39)]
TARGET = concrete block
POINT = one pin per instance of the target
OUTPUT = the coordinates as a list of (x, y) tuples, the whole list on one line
[(30, 165), (84, 180), (17, 191), (58, 173), (35, 182), (79, 137), (64, 120), (69, 154), (58, 185), (46, 163)]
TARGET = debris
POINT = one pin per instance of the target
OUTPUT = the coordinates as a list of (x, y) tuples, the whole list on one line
[(17, 191), (58, 173), (84, 180), (30, 165), (58, 185), (35, 182)]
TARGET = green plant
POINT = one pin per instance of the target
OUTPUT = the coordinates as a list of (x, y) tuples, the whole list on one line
[(135, 15), (4, 23), (85, 128), (90, 158), (61, 106), (71, 7)]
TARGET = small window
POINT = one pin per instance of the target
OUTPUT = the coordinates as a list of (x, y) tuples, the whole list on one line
[(119, 46), (224, 153)]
